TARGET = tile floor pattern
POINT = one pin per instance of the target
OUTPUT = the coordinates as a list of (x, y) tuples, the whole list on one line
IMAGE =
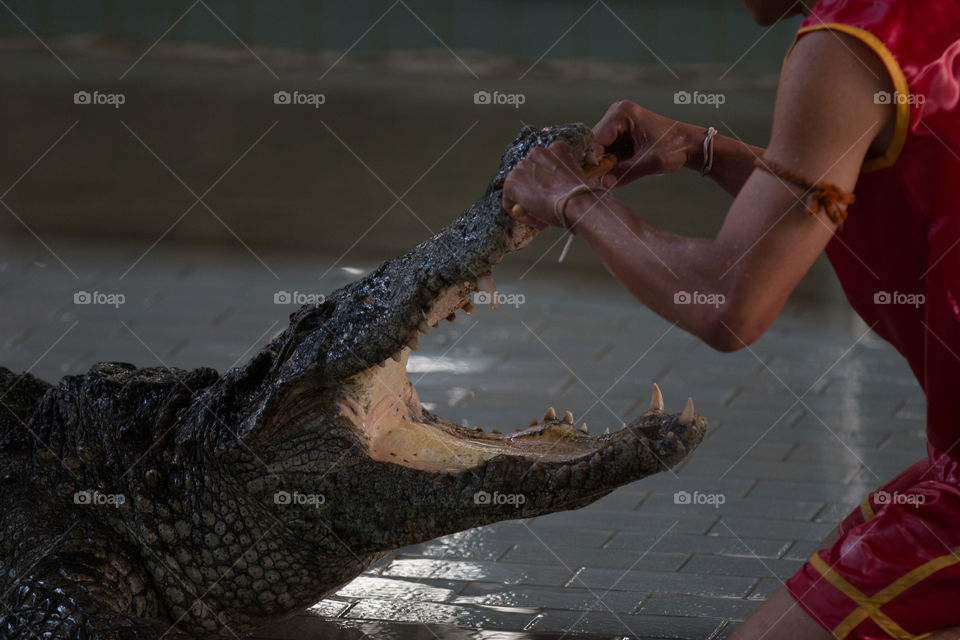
[(803, 425)]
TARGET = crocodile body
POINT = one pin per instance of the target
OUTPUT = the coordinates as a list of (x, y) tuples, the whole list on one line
[(148, 503)]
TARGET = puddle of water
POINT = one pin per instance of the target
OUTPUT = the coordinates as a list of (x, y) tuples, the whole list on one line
[(305, 627), (443, 364)]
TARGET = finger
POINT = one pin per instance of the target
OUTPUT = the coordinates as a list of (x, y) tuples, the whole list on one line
[(563, 154), (562, 151), (626, 172), (615, 177), (608, 130), (612, 125), (508, 201)]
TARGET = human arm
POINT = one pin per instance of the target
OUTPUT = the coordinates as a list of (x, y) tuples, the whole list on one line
[(656, 144), (767, 242)]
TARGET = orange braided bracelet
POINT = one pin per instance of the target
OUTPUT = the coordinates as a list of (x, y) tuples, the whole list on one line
[(825, 196)]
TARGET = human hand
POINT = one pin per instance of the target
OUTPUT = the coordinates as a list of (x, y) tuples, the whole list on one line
[(539, 180), (646, 143)]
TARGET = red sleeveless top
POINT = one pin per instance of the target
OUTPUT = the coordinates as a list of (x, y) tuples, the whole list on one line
[(898, 253)]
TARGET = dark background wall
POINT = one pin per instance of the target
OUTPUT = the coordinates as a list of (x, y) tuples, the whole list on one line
[(199, 152), (692, 31)]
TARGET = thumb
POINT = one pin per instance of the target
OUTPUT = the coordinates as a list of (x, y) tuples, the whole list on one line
[(627, 171), (606, 132)]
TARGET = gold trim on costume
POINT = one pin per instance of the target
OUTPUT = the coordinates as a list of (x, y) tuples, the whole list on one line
[(870, 607), (866, 509), (900, 87)]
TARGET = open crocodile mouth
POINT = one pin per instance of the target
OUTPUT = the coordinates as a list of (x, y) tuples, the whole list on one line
[(384, 406)]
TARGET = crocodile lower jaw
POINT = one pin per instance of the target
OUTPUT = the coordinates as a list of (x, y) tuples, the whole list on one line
[(385, 408)]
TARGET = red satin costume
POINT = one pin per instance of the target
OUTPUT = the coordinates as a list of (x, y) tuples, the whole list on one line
[(895, 571)]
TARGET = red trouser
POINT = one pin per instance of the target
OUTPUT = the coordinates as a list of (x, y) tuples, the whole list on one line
[(895, 571)]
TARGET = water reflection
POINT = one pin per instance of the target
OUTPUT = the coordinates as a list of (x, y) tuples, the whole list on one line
[(443, 364), (309, 628)]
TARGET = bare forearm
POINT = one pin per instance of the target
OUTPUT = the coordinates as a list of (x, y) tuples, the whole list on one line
[(732, 159), (655, 266)]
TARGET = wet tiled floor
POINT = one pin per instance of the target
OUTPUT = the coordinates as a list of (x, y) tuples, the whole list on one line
[(803, 424)]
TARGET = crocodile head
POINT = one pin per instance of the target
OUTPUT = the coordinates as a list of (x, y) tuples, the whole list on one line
[(369, 464)]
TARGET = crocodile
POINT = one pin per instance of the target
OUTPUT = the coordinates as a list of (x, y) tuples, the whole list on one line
[(144, 503)]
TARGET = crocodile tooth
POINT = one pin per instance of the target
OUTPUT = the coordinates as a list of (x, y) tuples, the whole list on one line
[(534, 422), (396, 356), (687, 416), (494, 430), (551, 414), (452, 317), (468, 307), (568, 417), (623, 425), (607, 431), (413, 343), (656, 401), (583, 428), (435, 325), (423, 327), (487, 285)]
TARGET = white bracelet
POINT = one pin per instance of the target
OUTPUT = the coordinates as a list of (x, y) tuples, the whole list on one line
[(560, 204), (708, 151)]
